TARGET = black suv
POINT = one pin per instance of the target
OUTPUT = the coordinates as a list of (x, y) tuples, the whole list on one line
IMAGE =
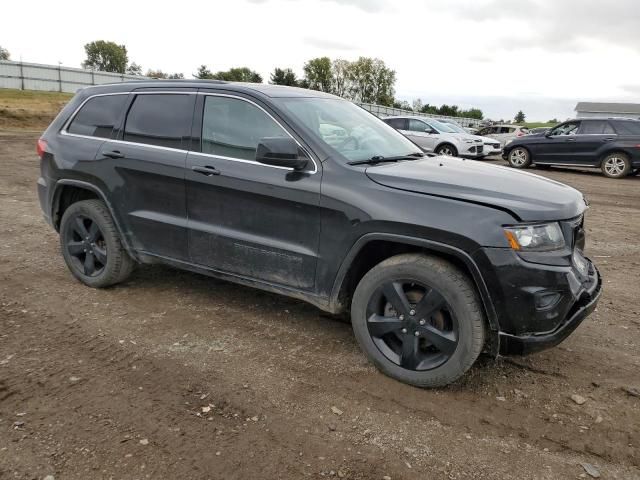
[(612, 145), (307, 195)]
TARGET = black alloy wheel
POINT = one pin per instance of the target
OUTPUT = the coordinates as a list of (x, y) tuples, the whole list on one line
[(86, 245), (412, 324)]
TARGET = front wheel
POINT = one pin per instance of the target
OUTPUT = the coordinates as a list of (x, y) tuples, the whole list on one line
[(447, 150), (519, 158), (418, 319), (616, 165)]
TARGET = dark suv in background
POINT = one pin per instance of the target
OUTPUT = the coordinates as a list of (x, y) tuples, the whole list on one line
[(307, 195), (613, 145)]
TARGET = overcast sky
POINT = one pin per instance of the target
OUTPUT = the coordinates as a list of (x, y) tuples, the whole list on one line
[(541, 56)]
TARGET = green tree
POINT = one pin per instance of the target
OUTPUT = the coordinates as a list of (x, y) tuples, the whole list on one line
[(472, 113), (106, 56), (238, 74), (318, 74), (203, 73), (134, 69), (283, 77), (341, 78), (4, 53), (553, 120), (372, 81), (520, 117), (176, 76)]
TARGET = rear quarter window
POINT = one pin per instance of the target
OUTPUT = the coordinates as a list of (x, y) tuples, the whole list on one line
[(627, 128), (98, 116)]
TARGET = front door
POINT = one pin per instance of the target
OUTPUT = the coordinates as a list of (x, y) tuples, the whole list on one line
[(246, 218), (559, 145), (421, 134)]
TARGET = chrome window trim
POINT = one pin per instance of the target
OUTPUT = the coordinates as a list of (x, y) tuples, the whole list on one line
[(64, 131)]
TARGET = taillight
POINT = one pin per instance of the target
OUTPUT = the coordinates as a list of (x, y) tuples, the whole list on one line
[(41, 147)]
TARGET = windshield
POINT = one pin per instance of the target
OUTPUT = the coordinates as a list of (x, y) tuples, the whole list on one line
[(353, 132), (441, 127), (455, 127)]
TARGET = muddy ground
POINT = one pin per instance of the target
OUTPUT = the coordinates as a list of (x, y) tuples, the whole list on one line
[(175, 375)]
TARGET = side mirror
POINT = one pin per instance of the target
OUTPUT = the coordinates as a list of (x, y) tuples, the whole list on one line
[(280, 152)]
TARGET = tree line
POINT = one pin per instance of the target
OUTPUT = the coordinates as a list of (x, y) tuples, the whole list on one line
[(365, 80)]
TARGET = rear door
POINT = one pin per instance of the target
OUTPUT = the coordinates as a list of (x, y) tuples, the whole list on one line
[(591, 139), (245, 218), (146, 168)]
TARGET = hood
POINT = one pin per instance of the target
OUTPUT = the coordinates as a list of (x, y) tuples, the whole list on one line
[(526, 196), (488, 139)]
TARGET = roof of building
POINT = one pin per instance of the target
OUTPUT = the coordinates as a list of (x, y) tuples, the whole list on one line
[(595, 107)]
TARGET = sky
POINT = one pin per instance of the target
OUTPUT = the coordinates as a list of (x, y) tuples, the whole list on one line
[(539, 56)]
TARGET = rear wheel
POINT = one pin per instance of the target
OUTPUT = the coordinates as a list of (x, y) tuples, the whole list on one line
[(616, 165), (418, 319), (91, 245), (519, 157), (447, 150)]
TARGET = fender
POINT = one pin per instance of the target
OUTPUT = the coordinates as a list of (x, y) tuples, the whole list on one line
[(461, 255), (89, 186)]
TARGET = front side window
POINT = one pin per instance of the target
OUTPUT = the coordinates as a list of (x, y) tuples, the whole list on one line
[(366, 136), (418, 126), (98, 116), (161, 119), (232, 127), (570, 128)]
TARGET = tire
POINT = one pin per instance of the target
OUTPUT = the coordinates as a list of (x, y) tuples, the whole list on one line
[(616, 165), (442, 306), (91, 245), (519, 157), (447, 150)]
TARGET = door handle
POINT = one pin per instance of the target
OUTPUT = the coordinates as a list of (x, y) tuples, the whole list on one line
[(206, 170), (610, 139), (113, 154), (570, 140)]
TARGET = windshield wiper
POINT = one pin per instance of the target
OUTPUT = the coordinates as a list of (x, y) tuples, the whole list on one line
[(380, 159)]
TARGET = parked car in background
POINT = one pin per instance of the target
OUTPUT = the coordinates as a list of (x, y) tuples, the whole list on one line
[(304, 194), (436, 137), (491, 146), (536, 130), (503, 133), (612, 145)]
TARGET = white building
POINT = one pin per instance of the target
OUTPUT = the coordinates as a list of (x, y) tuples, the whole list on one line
[(592, 109)]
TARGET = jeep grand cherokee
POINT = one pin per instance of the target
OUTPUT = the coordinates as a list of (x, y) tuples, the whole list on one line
[(307, 195)]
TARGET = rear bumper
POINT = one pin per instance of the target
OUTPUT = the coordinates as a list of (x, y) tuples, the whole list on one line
[(531, 343)]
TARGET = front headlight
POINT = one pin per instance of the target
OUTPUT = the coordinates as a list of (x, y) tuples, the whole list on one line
[(535, 238)]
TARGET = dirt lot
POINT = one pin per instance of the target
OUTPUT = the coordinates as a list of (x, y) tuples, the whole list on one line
[(175, 375)]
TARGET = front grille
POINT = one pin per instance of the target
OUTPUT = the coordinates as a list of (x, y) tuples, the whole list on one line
[(575, 228), (479, 148)]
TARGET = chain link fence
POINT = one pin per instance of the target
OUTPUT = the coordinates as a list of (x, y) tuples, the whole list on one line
[(34, 76)]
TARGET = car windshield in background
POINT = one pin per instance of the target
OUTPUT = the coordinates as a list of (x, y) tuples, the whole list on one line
[(442, 127), (348, 129), (455, 127)]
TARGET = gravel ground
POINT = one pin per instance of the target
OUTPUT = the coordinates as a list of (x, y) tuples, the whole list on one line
[(175, 375)]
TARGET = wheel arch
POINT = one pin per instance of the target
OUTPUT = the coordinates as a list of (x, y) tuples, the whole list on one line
[(612, 151), (69, 191), (372, 248)]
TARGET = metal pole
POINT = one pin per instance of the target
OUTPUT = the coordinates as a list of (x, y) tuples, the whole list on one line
[(21, 76), (59, 78)]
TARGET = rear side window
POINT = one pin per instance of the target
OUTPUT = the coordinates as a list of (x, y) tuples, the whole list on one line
[(159, 119), (595, 127), (232, 127), (628, 128), (98, 116)]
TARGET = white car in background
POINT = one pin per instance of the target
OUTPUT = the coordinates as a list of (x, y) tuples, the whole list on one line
[(491, 145), (436, 137), (503, 133)]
